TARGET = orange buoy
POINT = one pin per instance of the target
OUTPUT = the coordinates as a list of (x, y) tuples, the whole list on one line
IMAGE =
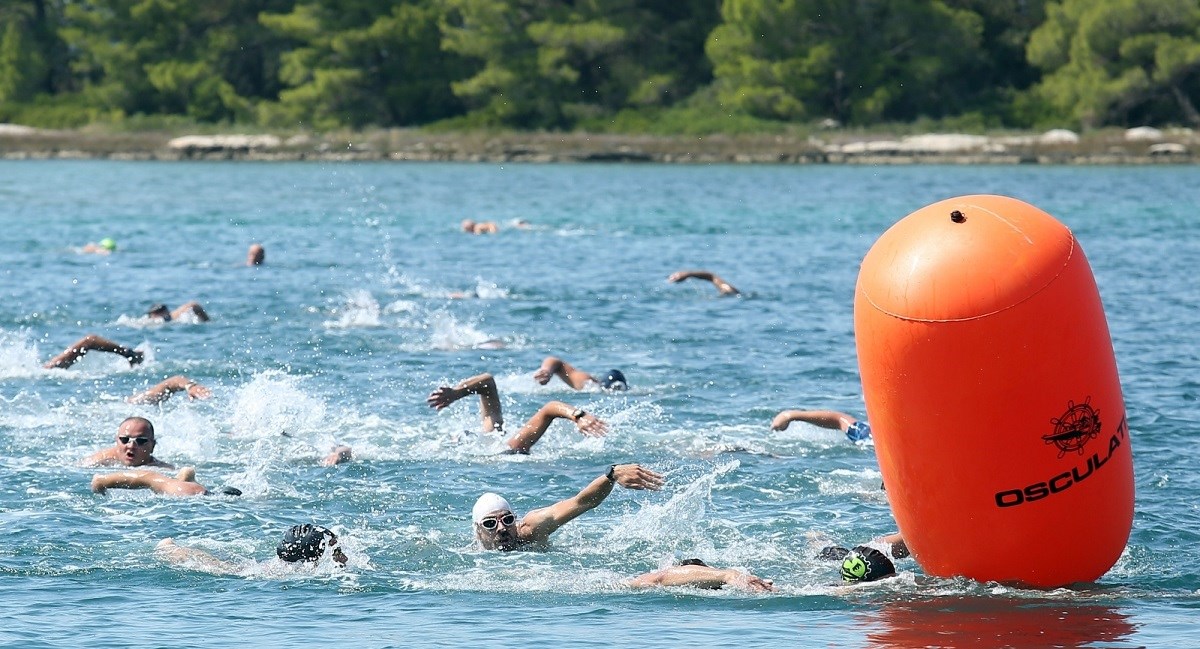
[(992, 391)]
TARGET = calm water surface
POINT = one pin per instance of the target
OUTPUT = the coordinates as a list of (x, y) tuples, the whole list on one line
[(352, 322)]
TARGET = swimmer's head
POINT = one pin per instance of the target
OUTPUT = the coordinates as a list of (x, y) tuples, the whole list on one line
[(693, 562), (614, 380), (307, 543), (866, 564), (255, 255), (108, 244), (495, 523), (159, 311)]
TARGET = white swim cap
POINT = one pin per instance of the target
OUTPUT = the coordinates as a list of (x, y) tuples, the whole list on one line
[(488, 503)]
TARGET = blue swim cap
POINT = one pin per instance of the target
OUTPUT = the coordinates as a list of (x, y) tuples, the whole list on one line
[(615, 380), (866, 564)]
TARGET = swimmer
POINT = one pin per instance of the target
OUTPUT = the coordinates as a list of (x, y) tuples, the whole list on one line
[(553, 366), (479, 227), (855, 430), (134, 447), (92, 342), (191, 311), (183, 484), (163, 391), (723, 287), (302, 544), (105, 247), (493, 420), (498, 528), (256, 255), (863, 564), (339, 455), (894, 542), (697, 574)]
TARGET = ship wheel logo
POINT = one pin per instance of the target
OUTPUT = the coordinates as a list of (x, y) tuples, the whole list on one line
[(1077, 426)]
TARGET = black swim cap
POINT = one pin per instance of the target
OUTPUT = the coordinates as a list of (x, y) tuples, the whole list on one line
[(159, 308), (693, 562), (615, 380), (833, 553), (866, 564), (305, 543)]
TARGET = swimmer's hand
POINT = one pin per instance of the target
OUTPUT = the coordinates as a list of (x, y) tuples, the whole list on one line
[(543, 375), (444, 396), (633, 476), (749, 582), (781, 421), (590, 426)]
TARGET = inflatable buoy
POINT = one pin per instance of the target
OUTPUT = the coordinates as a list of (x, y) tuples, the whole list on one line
[(992, 391)]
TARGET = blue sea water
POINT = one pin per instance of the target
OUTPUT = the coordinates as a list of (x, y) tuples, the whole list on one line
[(357, 315)]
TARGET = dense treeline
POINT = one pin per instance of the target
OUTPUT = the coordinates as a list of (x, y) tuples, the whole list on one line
[(616, 65)]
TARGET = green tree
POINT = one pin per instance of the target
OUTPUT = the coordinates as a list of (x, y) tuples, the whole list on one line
[(205, 58), (27, 46), (553, 63), (1120, 61), (859, 61), (359, 63)]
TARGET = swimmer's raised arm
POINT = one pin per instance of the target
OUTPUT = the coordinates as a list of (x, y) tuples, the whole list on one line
[(91, 342), (489, 399), (553, 366), (702, 577), (543, 522), (163, 390), (824, 418), (724, 287), (537, 425), (193, 308)]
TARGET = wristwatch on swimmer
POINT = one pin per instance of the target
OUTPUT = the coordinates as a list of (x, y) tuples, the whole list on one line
[(612, 473), (578, 414)]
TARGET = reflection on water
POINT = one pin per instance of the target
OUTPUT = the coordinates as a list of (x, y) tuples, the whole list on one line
[(983, 623)]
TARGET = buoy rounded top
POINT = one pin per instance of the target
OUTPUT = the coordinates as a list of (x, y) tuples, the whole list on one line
[(964, 258)]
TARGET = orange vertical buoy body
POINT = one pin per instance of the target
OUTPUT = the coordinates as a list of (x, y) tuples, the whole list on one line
[(992, 392)]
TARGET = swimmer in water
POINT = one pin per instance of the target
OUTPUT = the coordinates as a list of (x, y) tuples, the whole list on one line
[(92, 342), (182, 485), (191, 311), (553, 366), (167, 387), (498, 528), (493, 420), (697, 574), (134, 447), (256, 255), (302, 544), (479, 227), (862, 564), (106, 246), (854, 429), (723, 287)]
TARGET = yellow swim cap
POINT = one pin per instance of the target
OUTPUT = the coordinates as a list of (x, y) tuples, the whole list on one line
[(108, 244)]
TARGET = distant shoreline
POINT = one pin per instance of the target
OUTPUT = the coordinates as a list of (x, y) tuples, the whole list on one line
[(1133, 147)]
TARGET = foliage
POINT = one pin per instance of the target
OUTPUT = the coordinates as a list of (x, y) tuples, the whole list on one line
[(1120, 61), (652, 66)]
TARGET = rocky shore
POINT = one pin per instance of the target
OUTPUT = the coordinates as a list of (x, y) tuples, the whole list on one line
[(1134, 146)]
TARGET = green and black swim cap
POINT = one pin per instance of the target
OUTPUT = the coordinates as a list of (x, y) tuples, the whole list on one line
[(866, 564)]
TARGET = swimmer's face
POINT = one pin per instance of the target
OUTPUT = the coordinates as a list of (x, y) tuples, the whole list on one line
[(136, 441), (498, 531)]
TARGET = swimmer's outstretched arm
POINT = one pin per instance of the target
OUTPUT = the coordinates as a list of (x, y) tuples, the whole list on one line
[(168, 551), (164, 390), (543, 522), (91, 342), (489, 399), (701, 577), (183, 484), (724, 287), (553, 366), (824, 418), (537, 425)]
